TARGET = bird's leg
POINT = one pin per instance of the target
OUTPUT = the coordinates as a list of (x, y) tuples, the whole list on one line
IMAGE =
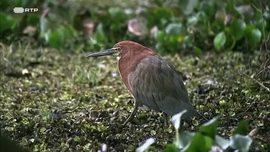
[(132, 114), (205, 119)]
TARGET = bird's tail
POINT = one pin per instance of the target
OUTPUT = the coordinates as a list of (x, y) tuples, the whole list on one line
[(192, 112)]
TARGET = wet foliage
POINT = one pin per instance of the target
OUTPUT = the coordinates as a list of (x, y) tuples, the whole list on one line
[(168, 26), (58, 101)]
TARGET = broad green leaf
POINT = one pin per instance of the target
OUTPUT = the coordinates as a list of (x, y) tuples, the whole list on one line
[(174, 39), (188, 39), (240, 142), (118, 15), (185, 139), (56, 39), (242, 128), (33, 19), (68, 31), (159, 47), (258, 16), (27, 3), (221, 142), (208, 7), (219, 40), (17, 3), (159, 35), (261, 24), (99, 34), (163, 13), (203, 18), (4, 4), (199, 143), (174, 28), (193, 20), (253, 35), (210, 128), (171, 148), (188, 6), (102, 16), (237, 28), (7, 22), (231, 8), (248, 29), (218, 24), (197, 50), (158, 16)]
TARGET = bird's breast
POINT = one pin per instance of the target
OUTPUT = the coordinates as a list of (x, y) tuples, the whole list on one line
[(127, 65)]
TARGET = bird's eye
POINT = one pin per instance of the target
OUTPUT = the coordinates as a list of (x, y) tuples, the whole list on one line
[(118, 49)]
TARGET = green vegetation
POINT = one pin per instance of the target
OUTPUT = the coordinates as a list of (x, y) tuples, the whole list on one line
[(169, 27), (52, 98)]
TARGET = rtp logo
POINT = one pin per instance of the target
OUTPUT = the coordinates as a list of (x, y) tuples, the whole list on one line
[(24, 10)]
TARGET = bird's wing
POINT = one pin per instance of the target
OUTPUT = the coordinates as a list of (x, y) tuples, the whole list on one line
[(156, 84)]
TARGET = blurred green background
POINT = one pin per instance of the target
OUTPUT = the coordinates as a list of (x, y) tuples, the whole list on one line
[(168, 26)]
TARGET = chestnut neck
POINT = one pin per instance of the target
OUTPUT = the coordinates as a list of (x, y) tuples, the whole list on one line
[(129, 60)]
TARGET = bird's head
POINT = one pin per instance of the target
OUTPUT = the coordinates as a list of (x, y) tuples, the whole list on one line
[(125, 49)]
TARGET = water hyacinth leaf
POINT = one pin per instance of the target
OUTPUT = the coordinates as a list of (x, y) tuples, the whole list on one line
[(102, 16), (254, 36), (33, 19), (242, 128), (221, 142), (174, 28), (99, 34), (188, 39), (176, 119), (27, 3), (117, 14), (210, 128), (159, 35), (171, 148), (199, 143), (163, 13), (188, 6), (198, 50), (231, 8), (4, 4), (219, 40), (203, 19), (68, 31), (7, 22), (193, 20), (55, 38), (241, 142), (208, 7), (146, 145), (17, 3), (261, 24), (237, 28), (185, 139), (159, 46)]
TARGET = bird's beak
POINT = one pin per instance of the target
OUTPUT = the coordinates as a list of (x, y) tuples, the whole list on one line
[(103, 53)]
